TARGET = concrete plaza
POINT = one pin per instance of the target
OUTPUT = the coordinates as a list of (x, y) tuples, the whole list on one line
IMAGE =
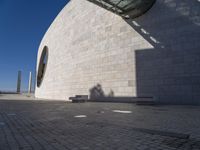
[(30, 123)]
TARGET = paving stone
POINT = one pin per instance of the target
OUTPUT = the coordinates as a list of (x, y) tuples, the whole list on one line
[(50, 125)]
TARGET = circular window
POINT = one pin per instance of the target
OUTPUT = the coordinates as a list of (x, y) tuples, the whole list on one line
[(42, 66)]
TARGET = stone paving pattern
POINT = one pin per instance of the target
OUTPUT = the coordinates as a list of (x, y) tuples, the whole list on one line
[(52, 125)]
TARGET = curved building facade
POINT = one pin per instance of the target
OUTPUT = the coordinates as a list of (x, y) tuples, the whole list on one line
[(90, 49)]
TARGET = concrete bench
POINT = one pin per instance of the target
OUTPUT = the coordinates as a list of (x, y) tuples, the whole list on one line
[(136, 100), (79, 98)]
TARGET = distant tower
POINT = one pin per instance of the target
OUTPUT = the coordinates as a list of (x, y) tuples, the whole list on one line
[(19, 81), (30, 83)]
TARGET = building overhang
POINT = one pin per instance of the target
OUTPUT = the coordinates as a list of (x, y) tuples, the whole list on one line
[(125, 8)]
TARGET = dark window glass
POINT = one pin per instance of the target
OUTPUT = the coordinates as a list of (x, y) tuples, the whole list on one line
[(42, 66)]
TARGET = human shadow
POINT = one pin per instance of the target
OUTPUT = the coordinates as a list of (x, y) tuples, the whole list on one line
[(96, 92)]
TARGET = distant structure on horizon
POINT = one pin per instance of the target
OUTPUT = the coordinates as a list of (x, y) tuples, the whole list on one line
[(146, 48)]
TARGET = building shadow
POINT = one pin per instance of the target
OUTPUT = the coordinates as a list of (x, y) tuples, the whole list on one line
[(170, 71)]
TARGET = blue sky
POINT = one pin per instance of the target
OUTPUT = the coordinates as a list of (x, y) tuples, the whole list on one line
[(22, 26)]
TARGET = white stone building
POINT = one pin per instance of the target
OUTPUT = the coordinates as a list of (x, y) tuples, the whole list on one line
[(156, 54)]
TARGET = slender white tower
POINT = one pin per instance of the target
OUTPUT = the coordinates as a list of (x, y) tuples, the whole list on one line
[(30, 83)]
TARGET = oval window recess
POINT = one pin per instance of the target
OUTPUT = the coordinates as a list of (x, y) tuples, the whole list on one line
[(42, 66)]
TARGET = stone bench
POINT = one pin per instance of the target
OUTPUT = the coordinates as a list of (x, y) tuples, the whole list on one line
[(79, 98), (145, 101), (136, 100)]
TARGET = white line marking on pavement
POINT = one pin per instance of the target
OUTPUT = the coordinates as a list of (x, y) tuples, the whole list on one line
[(122, 111), (80, 116)]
